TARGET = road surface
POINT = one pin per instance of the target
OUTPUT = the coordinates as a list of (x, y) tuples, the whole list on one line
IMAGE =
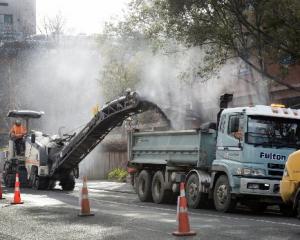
[(119, 215)]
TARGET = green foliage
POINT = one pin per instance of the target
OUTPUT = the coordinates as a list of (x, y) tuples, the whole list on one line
[(118, 174), (122, 62), (260, 32)]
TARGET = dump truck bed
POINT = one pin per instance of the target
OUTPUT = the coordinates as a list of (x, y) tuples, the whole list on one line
[(173, 148)]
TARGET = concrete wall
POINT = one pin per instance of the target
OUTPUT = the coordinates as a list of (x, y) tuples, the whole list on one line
[(24, 16)]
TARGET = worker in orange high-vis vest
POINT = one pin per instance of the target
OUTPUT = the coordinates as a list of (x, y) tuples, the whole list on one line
[(17, 133)]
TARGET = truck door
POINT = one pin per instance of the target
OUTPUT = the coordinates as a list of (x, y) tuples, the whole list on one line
[(231, 136)]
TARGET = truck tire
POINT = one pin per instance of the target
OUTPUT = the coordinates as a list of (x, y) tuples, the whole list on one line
[(194, 197), (159, 193), (40, 183), (222, 196), (144, 186), (68, 184)]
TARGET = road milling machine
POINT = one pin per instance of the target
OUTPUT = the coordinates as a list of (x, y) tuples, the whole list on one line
[(48, 159)]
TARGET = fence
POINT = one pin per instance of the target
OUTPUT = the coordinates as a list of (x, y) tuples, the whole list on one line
[(98, 164)]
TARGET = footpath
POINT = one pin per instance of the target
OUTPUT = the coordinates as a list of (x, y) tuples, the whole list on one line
[(108, 186)]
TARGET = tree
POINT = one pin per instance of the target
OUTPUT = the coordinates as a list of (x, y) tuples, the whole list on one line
[(254, 30), (122, 64), (53, 26)]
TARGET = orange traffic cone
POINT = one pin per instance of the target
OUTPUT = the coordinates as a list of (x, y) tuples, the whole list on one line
[(182, 215), (17, 195), (85, 203), (1, 190)]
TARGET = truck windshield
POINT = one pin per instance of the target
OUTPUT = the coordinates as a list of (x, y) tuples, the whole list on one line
[(273, 131)]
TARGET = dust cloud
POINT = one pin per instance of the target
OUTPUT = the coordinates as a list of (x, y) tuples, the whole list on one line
[(173, 82), (62, 81)]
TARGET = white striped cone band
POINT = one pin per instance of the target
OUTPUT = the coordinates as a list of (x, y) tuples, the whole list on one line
[(17, 189), (183, 210), (84, 196), (17, 179), (182, 193)]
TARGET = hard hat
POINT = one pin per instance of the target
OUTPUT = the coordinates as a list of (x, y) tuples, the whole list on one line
[(18, 122)]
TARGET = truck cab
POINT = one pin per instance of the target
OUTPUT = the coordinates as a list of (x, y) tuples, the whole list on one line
[(290, 183), (253, 144)]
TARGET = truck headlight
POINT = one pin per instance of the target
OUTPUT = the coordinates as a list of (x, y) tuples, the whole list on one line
[(250, 172)]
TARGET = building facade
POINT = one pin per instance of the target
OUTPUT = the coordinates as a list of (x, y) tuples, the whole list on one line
[(17, 19)]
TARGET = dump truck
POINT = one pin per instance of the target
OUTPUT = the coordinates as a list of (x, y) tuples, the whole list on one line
[(240, 158), (49, 159), (290, 183)]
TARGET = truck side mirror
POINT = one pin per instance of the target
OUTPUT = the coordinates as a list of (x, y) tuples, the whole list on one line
[(32, 138), (234, 124)]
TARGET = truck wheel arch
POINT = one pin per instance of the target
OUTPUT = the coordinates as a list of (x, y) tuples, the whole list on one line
[(217, 171)]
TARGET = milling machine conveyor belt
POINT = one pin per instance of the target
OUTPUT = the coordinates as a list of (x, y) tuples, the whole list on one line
[(111, 115)]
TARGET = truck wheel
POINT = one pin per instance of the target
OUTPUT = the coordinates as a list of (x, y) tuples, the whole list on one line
[(40, 183), (68, 184), (37, 183), (222, 197), (144, 186), (159, 194), (194, 197)]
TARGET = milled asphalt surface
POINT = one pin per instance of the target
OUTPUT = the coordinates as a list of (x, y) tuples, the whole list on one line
[(119, 215)]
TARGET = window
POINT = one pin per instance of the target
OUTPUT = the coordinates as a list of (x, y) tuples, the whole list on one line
[(236, 126), (273, 131), (3, 4), (8, 19)]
